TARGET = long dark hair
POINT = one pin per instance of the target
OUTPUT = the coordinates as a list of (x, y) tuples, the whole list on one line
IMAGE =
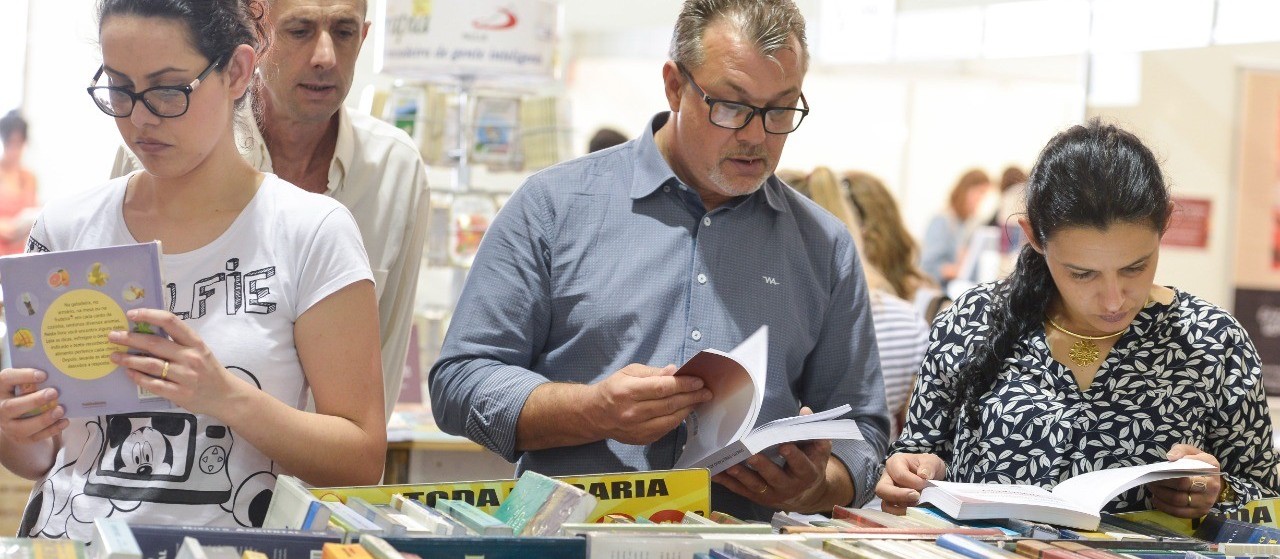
[(217, 26), (1093, 175)]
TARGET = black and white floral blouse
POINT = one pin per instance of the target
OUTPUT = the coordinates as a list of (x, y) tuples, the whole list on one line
[(1183, 373)]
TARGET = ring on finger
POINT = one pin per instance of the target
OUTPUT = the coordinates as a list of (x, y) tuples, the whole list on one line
[(164, 372), (1189, 499), (1198, 486), (763, 490)]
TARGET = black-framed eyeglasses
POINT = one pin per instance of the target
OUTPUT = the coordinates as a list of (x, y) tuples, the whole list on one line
[(166, 101), (734, 115)]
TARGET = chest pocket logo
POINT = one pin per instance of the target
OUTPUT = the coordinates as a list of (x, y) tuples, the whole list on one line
[(770, 281)]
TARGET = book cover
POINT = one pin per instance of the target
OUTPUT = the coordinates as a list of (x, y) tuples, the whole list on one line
[(970, 547), (418, 517), (379, 548), (538, 505), (163, 541), (474, 519), (658, 495), (293, 507), (1075, 503), (35, 548), (112, 539), (377, 514), (492, 547), (354, 525), (722, 432), (61, 305), (344, 551), (575, 529)]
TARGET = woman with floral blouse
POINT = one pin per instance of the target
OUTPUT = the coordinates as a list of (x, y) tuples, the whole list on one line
[(1079, 362)]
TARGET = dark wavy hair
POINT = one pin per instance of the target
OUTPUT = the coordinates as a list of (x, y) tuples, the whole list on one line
[(217, 26), (1093, 175)]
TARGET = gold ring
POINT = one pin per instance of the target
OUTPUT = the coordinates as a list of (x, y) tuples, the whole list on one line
[(1188, 499), (1198, 486), (763, 490), (164, 373)]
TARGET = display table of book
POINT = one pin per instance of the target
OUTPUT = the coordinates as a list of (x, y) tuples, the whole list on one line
[(664, 514)]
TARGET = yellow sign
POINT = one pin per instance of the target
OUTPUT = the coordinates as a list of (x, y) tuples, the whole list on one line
[(1264, 512), (660, 496)]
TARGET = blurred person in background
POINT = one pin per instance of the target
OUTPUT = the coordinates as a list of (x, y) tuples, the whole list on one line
[(17, 185), (946, 236), (901, 332), (889, 247), (605, 138), (795, 179)]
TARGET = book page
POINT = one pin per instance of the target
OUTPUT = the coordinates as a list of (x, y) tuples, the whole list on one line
[(1003, 493), (1093, 490), (811, 418), (738, 393)]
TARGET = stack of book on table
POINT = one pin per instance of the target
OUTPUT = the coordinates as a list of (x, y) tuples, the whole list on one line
[(615, 517)]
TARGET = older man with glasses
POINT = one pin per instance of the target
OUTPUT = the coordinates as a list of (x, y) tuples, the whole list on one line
[(602, 272)]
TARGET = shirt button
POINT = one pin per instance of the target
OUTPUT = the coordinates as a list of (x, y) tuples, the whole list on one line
[(706, 222), (702, 278), (666, 188), (696, 335)]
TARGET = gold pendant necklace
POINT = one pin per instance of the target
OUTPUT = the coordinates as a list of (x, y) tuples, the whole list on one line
[(1084, 352)]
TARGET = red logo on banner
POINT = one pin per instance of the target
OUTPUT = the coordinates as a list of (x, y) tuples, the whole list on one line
[(502, 19)]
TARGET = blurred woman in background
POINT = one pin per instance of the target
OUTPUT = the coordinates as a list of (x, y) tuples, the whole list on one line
[(901, 333), (17, 186), (945, 238), (889, 247)]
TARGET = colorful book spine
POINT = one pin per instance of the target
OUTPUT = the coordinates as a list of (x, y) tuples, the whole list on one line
[(969, 547), (380, 515), (112, 539), (164, 541), (473, 518), (493, 547)]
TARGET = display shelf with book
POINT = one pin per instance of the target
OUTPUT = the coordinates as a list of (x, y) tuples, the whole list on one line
[(543, 517), (486, 111)]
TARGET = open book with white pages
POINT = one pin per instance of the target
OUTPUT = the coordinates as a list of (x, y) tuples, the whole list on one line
[(1074, 503), (720, 431)]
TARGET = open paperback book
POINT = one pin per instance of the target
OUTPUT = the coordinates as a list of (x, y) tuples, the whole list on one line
[(720, 432), (1074, 503)]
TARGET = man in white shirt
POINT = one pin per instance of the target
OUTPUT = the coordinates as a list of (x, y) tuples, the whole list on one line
[(305, 135)]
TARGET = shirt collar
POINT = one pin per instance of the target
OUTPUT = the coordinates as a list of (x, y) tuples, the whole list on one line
[(652, 171), (344, 152)]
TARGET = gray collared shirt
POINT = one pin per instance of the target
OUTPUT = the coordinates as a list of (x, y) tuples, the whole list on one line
[(608, 260)]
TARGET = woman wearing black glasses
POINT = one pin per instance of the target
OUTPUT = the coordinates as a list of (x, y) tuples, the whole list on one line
[(269, 294)]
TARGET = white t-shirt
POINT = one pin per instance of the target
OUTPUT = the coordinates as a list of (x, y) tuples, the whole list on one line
[(378, 174), (242, 293)]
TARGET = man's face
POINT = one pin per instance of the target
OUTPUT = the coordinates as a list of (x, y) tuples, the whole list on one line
[(723, 163), (311, 61)]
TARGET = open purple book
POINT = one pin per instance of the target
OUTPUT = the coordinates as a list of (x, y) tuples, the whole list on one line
[(59, 307)]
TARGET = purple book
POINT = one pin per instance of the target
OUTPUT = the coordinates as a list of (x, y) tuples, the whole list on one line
[(59, 307)]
